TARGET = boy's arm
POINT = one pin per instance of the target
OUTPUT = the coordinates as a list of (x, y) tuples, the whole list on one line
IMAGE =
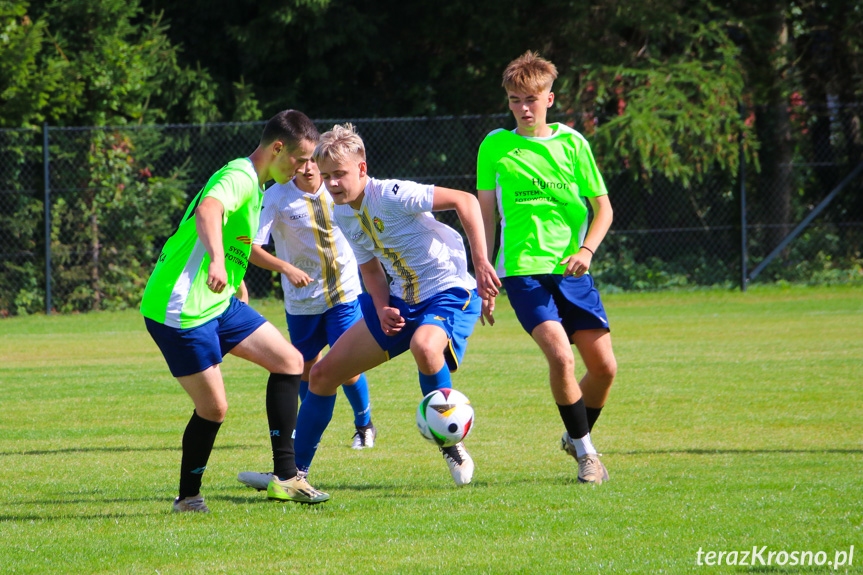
[(487, 200), (264, 259), (468, 209), (579, 263), (377, 287), (208, 223)]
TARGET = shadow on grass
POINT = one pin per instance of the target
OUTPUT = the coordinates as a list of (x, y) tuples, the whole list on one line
[(118, 449), (840, 451), (67, 516)]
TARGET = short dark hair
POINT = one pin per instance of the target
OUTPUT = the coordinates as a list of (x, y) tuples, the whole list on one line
[(291, 127)]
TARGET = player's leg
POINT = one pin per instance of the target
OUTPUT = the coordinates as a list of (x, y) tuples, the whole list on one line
[(246, 334), (307, 370), (594, 346), (534, 300), (193, 356), (554, 343), (338, 320), (438, 346), (427, 346), (355, 351), (585, 321), (308, 336), (207, 392), (269, 349)]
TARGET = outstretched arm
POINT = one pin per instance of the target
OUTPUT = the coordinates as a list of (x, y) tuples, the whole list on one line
[(468, 209)]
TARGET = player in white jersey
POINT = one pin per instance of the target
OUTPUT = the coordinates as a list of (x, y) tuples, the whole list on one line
[(430, 307), (320, 281)]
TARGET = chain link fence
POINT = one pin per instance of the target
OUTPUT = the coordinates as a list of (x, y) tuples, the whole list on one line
[(115, 194)]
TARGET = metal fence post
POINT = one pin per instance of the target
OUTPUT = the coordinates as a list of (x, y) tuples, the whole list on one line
[(743, 239), (47, 176)]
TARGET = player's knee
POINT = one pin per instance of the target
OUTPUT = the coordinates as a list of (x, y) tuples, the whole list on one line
[(605, 372), (426, 355), (295, 361), (561, 361), (322, 379), (213, 412), (290, 361)]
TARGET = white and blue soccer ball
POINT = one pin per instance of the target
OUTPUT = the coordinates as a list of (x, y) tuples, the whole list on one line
[(445, 417)]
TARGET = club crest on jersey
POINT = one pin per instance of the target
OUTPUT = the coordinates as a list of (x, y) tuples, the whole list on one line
[(379, 225)]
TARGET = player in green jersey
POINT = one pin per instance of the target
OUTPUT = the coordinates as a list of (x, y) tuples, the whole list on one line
[(541, 178), (190, 311)]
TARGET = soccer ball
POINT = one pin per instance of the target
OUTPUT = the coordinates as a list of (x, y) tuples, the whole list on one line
[(445, 417)]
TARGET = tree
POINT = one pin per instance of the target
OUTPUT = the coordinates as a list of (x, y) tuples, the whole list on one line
[(104, 63)]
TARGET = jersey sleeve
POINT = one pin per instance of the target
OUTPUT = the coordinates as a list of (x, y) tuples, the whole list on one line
[(233, 188), (265, 224), (408, 197), (590, 182), (486, 175)]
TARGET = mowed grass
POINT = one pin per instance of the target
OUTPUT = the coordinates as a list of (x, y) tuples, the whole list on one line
[(736, 421)]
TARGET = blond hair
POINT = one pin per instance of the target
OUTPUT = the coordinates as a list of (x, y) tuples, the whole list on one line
[(340, 144), (530, 73)]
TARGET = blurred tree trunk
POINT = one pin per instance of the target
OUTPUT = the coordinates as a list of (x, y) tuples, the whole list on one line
[(774, 132)]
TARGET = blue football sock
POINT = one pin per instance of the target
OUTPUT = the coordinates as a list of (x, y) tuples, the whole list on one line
[(358, 396), (441, 379), (313, 419), (304, 387)]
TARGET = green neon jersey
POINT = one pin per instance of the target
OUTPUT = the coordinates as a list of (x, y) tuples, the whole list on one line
[(177, 294), (541, 185)]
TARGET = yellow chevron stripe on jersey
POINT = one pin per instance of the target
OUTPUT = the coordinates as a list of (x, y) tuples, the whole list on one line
[(325, 243), (410, 282)]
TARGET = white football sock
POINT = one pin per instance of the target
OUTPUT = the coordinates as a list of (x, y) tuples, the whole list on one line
[(583, 445)]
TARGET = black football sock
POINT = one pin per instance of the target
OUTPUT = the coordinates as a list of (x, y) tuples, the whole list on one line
[(592, 416), (283, 392), (574, 419), (198, 442)]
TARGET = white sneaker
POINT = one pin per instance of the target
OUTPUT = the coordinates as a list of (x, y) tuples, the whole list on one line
[(364, 437), (459, 462), (255, 480)]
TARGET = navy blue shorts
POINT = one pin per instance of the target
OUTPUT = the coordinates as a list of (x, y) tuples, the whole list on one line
[(312, 333), (194, 349), (455, 310), (572, 301)]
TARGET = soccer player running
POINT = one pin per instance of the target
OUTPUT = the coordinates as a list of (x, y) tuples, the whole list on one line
[(191, 313), (539, 176), (320, 281), (430, 307)]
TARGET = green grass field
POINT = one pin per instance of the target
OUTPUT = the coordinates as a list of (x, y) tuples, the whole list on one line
[(736, 421)]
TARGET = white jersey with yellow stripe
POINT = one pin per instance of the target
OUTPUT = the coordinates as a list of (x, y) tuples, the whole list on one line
[(306, 236), (394, 223)]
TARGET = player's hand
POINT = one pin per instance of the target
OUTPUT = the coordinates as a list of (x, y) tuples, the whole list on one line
[(217, 277), (391, 320), (487, 282), (487, 311), (577, 264), (298, 278)]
